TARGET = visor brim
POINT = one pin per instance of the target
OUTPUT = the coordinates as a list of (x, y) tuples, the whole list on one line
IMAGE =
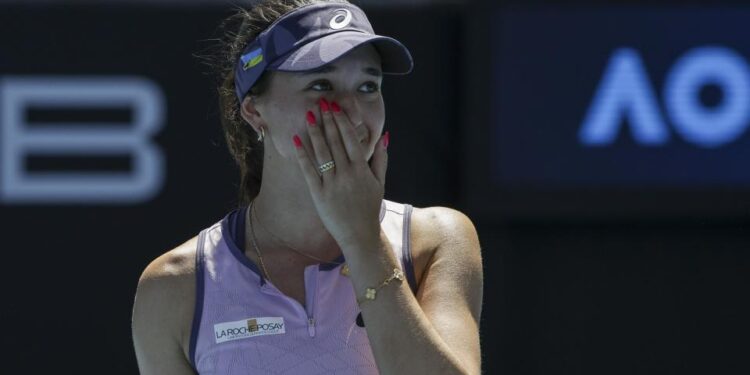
[(395, 57)]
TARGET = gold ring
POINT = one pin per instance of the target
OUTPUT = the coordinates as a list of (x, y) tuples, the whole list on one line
[(327, 166)]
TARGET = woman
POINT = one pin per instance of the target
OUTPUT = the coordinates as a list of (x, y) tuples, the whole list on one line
[(317, 274)]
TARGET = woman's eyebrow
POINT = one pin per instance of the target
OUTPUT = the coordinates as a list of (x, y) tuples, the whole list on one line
[(330, 68)]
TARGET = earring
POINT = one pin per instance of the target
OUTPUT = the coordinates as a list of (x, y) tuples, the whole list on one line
[(262, 134)]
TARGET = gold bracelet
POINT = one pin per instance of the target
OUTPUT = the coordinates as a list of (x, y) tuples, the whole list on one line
[(371, 293)]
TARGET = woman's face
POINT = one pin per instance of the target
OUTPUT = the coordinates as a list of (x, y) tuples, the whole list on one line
[(352, 81)]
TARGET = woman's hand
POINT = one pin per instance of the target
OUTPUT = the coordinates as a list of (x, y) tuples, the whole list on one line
[(347, 197)]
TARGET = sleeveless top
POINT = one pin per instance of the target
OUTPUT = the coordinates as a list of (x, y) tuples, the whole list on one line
[(243, 324)]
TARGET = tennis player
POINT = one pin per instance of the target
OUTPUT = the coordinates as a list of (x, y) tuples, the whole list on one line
[(315, 272)]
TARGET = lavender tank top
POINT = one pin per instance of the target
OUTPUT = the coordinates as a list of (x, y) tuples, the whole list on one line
[(244, 325)]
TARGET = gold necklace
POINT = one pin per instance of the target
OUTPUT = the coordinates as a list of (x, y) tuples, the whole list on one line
[(344, 269), (252, 212), (255, 245)]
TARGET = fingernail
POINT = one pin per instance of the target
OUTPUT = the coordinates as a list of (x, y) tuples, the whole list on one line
[(310, 118), (335, 107), (386, 139), (323, 105), (297, 141)]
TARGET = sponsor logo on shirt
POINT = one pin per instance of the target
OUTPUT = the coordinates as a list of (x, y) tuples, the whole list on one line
[(250, 327)]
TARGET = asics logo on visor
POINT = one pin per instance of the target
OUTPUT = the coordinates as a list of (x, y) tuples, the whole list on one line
[(338, 23)]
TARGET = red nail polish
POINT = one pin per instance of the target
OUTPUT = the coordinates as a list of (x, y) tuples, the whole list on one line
[(310, 118), (323, 105), (335, 107), (297, 141), (386, 139)]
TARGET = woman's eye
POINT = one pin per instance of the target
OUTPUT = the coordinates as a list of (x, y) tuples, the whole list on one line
[(316, 84), (373, 87)]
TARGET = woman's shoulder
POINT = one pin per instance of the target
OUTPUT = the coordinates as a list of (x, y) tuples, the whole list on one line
[(167, 288), (172, 274), (433, 227), (439, 223), (176, 263)]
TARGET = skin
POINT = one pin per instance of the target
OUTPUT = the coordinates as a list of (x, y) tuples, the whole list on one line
[(328, 215)]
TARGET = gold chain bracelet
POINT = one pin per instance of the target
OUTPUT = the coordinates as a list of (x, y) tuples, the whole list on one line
[(371, 293)]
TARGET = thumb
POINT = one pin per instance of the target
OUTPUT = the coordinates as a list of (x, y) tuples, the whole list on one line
[(379, 161)]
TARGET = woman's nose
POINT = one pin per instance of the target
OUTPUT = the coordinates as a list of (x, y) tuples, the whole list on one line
[(351, 108)]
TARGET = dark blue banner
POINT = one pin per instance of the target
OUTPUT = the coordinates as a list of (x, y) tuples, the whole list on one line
[(621, 97)]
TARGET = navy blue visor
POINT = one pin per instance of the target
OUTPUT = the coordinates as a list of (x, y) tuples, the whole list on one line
[(312, 36)]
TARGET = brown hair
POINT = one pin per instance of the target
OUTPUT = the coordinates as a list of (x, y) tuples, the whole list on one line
[(236, 32)]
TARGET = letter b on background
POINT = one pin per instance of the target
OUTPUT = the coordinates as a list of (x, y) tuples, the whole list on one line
[(18, 140)]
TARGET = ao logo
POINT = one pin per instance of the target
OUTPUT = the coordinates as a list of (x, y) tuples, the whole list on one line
[(626, 92), (18, 140)]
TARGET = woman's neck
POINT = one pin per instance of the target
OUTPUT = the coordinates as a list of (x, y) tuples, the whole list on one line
[(285, 208)]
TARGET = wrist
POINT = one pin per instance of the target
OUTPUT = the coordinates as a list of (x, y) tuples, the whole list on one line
[(371, 293), (365, 241)]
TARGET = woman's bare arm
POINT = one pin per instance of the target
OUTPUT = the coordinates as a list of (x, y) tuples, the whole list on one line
[(160, 312), (438, 331)]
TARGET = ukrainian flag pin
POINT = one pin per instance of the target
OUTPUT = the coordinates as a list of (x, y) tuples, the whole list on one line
[(251, 59)]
